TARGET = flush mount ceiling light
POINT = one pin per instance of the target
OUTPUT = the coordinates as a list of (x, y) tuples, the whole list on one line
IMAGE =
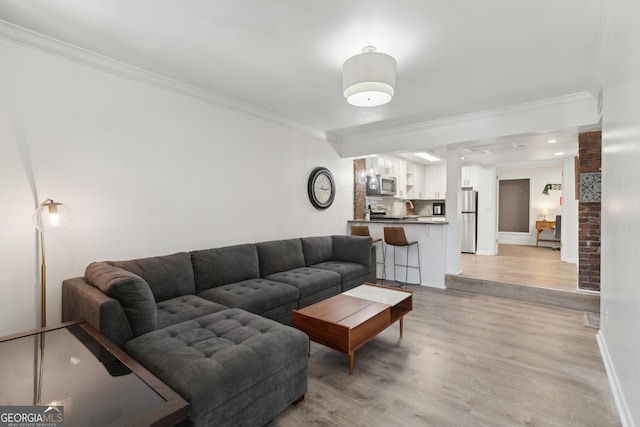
[(368, 79), (426, 156)]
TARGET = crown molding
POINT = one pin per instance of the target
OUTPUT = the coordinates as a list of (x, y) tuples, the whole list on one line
[(58, 48)]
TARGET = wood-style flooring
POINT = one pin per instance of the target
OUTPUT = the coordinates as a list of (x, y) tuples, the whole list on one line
[(465, 360), (523, 265)]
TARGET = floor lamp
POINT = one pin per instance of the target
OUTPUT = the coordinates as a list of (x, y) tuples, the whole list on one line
[(49, 216)]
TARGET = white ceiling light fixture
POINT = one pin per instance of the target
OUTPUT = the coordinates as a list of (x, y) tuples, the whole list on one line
[(426, 156), (369, 78), (552, 141)]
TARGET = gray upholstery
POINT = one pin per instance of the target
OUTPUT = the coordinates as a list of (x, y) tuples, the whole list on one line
[(255, 295), (214, 358), (347, 270), (131, 291), (317, 249), (185, 307), (280, 255), (313, 284), (82, 301), (168, 276), (200, 320), (352, 249), (231, 264)]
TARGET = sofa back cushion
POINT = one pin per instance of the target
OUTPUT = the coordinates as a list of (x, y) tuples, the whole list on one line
[(131, 291), (168, 276), (280, 255), (221, 266), (352, 249), (317, 249)]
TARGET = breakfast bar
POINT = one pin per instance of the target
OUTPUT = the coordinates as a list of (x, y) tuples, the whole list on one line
[(431, 237)]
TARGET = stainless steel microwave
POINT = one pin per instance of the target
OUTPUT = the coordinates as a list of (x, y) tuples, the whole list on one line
[(380, 185)]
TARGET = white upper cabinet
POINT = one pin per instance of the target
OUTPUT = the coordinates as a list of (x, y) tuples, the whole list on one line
[(400, 172), (470, 176), (435, 182)]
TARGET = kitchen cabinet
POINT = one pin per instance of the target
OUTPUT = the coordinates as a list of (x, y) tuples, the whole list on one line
[(400, 172), (381, 165), (415, 181), (435, 182), (470, 176)]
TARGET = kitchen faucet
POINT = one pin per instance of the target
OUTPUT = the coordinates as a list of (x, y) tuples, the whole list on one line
[(405, 205)]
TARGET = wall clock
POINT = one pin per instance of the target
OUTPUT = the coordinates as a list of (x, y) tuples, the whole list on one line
[(321, 188)]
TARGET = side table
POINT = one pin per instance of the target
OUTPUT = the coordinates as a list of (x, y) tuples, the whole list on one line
[(74, 366)]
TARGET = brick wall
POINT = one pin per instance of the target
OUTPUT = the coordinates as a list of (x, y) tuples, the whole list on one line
[(359, 189), (589, 160)]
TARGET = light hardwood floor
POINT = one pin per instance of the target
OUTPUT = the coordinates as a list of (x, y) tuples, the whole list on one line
[(465, 360), (523, 265)]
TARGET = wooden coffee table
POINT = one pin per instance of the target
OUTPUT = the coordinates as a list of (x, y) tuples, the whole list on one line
[(347, 321)]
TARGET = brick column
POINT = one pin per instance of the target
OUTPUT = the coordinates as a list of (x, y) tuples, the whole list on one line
[(589, 160), (359, 189)]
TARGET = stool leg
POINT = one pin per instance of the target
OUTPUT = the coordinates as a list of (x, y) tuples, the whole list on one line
[(406, 269), (419, 269)]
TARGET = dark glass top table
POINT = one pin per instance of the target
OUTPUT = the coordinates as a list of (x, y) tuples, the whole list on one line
[(74, 366)]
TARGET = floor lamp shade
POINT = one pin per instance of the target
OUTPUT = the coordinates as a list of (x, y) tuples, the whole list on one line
[(369, 78), (49, 216)]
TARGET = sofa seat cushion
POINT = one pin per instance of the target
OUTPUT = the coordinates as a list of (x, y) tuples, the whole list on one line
[(213, 358), (254, 295), (347, 270), (309, 281), (185, 307)]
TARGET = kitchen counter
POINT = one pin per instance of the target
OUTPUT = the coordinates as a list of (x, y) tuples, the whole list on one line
[(418, 220), (432, 239)]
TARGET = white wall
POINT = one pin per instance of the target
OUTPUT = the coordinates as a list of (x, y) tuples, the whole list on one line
[(619, 334), (487, 212), (569, 225), (146, 171), (539, 176)]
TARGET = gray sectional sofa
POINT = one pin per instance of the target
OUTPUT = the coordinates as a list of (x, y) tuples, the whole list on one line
[(212, 324)]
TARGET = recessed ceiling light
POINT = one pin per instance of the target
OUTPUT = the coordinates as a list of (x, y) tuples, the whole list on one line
[(559, 153), (552, 141), (426, 156)]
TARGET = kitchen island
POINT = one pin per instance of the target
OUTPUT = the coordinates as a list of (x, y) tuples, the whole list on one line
[(431, 236)]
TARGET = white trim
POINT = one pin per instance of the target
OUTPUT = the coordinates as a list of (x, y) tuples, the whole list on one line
[(49, 45), (618, 396)]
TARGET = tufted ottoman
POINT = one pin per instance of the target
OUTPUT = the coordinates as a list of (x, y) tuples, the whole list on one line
[(231, 365)]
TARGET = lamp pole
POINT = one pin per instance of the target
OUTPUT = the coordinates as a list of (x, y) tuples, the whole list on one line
[(43, 282)]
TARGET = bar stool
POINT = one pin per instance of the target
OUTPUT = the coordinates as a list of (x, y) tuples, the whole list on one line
[(363, 230), (394, 236)]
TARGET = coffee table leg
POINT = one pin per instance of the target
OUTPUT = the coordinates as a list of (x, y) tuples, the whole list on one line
[(401, 325), (352, 356)]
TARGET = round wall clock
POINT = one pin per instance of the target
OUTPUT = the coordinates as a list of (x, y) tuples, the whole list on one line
[(321, 188)]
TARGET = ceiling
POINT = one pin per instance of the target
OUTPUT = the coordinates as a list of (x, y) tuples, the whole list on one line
[(284, 57)]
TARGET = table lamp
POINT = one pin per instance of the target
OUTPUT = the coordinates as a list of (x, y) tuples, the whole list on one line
[(544, 213), (49, 216)]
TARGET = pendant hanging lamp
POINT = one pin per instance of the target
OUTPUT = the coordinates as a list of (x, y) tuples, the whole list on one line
[(368, 79)]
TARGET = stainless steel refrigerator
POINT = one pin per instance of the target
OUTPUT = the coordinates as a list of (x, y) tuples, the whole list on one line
[(469, 221)]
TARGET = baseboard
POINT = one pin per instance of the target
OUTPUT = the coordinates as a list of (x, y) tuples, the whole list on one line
[(489, 253), (618, 396)]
